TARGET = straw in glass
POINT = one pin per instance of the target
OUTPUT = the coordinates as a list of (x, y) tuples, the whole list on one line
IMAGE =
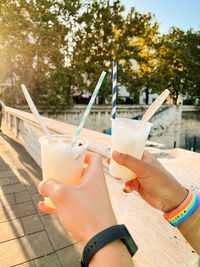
[(114, 90), (87, 111), (34, 111)]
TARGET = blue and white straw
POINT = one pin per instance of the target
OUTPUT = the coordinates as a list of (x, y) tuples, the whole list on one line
[(87, 111), (114, 90)]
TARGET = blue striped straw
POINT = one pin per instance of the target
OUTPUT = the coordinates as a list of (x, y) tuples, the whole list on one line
[(114, 90), (89, 106)]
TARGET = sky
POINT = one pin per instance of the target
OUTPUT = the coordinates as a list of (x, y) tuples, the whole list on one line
[(184, 14)]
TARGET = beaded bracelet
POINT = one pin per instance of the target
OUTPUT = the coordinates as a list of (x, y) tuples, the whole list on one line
[(184, 211)]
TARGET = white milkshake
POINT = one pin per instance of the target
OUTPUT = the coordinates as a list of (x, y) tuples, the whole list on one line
[(60, 161), (127, 138)]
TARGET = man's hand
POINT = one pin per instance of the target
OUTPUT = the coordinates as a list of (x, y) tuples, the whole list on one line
[(85, 209)]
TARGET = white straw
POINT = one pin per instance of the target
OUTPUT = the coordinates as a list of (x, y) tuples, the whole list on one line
[(34, 111), (154, 107)]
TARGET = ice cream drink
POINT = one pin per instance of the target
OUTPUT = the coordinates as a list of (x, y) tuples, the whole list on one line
[(130, 139), (60, 161)]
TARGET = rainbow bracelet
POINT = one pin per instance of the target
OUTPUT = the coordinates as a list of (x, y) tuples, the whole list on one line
[(184, 211)]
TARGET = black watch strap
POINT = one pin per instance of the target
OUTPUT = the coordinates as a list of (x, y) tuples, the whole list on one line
[(105, 237)]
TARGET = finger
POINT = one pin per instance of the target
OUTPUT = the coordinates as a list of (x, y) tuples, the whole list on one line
[(108, 162), (45, 187), (95, 161), (119, 179), (53, 189), (148, 157), (131, 185), (133, 164), (83, 171), (88, 156), (58, 192), (94, 167), (143, 156), (43, 207), (151, 159)]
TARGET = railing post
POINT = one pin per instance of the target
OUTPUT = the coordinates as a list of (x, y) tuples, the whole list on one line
[(10, 122), (195, 143), (174, 144), (6, 118), (16, 126)]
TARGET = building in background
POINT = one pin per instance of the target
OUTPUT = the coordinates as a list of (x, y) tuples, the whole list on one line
[(125, 97), (5, 86)]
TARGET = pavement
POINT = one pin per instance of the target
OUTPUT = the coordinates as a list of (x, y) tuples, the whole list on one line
[(28, 237)]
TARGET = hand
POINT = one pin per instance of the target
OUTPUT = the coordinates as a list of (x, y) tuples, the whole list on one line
[(85, 209), (154, 184)]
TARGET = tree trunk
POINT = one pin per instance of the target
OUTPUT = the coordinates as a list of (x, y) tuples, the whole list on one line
[(147, 96), (176, 98)]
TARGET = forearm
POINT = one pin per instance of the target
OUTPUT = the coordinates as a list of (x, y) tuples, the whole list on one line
[(113, 254), (190, 229)]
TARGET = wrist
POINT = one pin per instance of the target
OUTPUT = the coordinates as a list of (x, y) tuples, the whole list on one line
[(175, 199), (104, 242), (94, 229), (113, 254), (184, 211)]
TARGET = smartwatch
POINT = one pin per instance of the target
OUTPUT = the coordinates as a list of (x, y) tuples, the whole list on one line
[(105, 237)]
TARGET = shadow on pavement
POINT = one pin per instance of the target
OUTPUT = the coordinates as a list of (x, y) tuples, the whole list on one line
[(27, 233)]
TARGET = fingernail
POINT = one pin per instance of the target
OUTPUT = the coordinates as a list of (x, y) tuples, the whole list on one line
[(108, 161), (116, 154), (126, 189)]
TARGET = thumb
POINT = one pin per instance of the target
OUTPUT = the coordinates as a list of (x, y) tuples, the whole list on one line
[(133, 164), (94, 170), (55, 190)]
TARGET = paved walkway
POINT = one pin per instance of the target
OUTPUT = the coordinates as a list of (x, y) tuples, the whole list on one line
[(28, 237)]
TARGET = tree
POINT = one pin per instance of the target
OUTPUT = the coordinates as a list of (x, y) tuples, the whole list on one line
[(94, 45), (179, 63), (58, 48), (33, 42), (192, 65), (106, 35), (143, 36), (171, 62)]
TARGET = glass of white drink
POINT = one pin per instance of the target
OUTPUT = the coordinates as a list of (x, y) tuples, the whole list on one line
[(130, 139), (61, 161)]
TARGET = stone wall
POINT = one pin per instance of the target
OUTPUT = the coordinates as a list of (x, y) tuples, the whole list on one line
[(166, 126), (172, 125), (99, 117), (166, 122), (190, 128)]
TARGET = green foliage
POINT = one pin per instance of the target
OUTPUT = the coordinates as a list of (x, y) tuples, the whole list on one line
[(142, 35), (11, 96), (170, 65), (59, 48), (95, 45), (33, 41), (192, 65), (179, 63)]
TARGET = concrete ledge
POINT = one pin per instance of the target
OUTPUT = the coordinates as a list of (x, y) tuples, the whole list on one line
[(28, 131), (26, 128)]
